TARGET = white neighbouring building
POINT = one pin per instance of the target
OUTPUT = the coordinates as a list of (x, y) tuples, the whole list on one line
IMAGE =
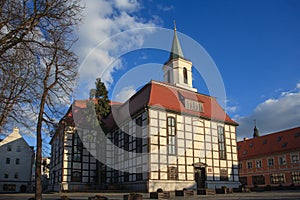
[(166, 136), (16, 158)]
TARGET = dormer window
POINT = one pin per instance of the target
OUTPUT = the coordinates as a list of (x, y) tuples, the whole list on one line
[(193, 105)]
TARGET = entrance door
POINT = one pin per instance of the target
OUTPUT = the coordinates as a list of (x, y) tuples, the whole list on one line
[(200, 177)]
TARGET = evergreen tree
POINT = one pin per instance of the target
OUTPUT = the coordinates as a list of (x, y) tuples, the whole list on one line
[(100, 94)]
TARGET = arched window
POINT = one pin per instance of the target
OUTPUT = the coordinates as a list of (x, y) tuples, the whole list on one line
[(185, 77)]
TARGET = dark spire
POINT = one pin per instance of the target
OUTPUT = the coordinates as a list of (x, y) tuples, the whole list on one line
[(255, 130), (176, 51)]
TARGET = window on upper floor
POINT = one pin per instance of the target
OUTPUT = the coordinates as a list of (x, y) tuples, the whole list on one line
[(8, 147), (265, 141), (17, 161), (169, 76), (16, 175), (171, 131), (282, 160), (270, 162), (295, 158), (258, 164), (193, 105), (240, 165), (7, 161), (185, 75), (221, 143), (6, 175), (279, 138), (139, 139), (18, 149), (249, 165), (77, 148)]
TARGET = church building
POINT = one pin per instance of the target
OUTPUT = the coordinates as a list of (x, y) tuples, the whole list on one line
[(167, 135), (174, 137)]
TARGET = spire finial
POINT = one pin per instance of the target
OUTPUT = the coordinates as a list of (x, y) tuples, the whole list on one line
[(255, 130), (174, 25)]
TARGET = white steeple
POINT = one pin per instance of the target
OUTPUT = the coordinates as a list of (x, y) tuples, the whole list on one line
[(178, 70)]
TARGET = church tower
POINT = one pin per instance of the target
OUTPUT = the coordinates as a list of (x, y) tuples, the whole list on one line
[(255, 131), (178, 70)]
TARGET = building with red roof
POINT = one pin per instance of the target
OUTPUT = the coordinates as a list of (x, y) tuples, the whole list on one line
[(166, 136), (270, 160)]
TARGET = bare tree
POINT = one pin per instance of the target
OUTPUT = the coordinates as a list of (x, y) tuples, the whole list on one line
[(37, 61)]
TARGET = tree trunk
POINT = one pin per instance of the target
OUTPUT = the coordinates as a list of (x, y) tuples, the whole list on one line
[(38, 161)]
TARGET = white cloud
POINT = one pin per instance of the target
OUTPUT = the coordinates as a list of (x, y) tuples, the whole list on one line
[(165, 8), (231, 109), (128, 5), (103, 19), (272, 115), (125, 94)]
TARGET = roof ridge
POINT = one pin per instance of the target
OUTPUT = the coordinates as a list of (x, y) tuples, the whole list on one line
[(271, 133), (180, 88)]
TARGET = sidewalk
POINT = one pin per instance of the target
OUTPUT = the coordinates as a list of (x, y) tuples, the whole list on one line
[(270, 195)]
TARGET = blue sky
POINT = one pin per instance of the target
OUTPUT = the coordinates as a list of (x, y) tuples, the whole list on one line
[(254, 44)]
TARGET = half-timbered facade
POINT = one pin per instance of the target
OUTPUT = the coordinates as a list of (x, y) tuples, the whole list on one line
[(167, 135), (72, 167), (172, 137)]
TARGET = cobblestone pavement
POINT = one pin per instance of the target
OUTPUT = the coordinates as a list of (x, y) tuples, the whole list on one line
[(272, 195)]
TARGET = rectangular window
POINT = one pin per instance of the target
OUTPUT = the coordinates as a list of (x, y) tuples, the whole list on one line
[(18, 149), (193, 105), (7, 160), (295, 158), (296, 177), (17, 161), (171, 129), (8, 147), (6, 175), (277, 178), (282, 160), (126, 138), (221, 141), (172, 173), (249, 164), (240, 165), (9, 187), (76, 176), (126, 176), (258, 180), (270, 162), (139, 147), (258, 164), (77, 148), (16, 175)]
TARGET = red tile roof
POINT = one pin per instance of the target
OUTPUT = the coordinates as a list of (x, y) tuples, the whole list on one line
[(159, 95), (283, 141), (169, 97)]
